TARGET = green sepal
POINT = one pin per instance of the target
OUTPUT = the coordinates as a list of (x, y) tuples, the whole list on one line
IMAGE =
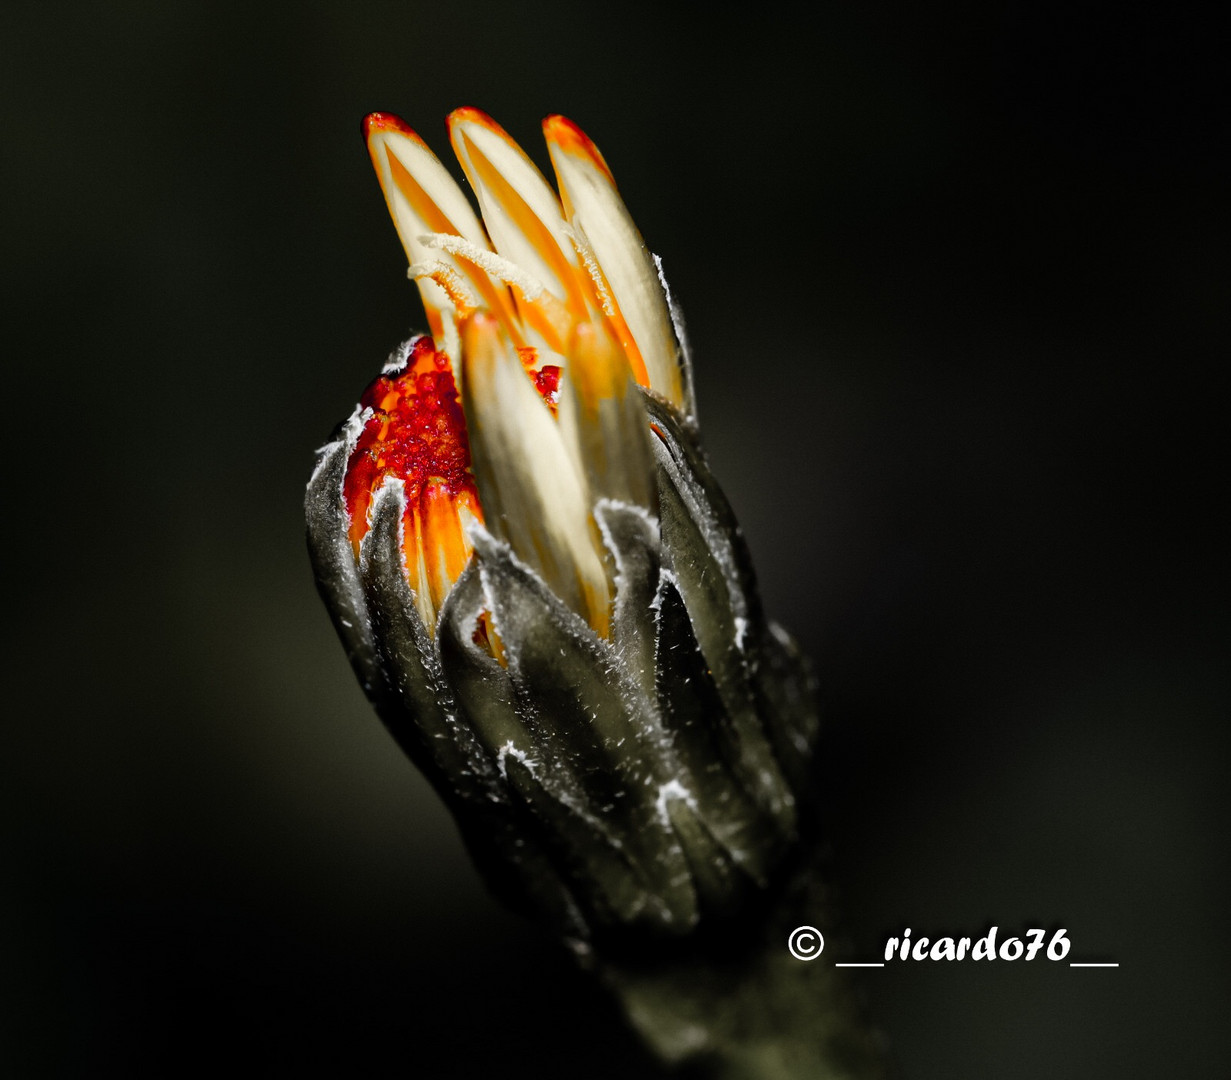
[(423, 716), (631, 536), (333, 558), (702, 548), (787, 701), (708, 745), (591, 724)]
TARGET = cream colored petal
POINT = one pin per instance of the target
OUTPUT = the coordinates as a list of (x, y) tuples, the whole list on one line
[(424, 199), (530, 486), (604, 226), (522, 214), (601, 415)]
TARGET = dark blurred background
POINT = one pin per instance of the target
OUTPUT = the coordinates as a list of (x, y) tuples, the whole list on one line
[(955, 284)]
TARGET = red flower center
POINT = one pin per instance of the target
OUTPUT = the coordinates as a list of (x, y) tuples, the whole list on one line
[(416, 433)]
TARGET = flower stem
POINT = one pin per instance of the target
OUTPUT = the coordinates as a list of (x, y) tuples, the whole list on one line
[(734, 1004)]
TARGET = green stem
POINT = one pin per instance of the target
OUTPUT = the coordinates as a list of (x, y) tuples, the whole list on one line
[(735, 1004)]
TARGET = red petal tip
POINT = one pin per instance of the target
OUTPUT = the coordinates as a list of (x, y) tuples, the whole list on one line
[(468, 114), (378, 123), (562, 132)]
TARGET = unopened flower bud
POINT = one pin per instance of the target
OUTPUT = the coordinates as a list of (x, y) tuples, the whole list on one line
[(536, 578)]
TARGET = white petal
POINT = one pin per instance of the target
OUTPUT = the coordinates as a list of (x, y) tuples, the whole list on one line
[(424, 199), (602, 417), (530, 486), (603, 224), (522, 214)]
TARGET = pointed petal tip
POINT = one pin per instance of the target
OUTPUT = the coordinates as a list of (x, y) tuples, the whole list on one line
[(563, 133), (383, 123), (469, 116)]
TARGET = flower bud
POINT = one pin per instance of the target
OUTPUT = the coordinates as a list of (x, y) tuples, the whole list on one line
[(535, 576)]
